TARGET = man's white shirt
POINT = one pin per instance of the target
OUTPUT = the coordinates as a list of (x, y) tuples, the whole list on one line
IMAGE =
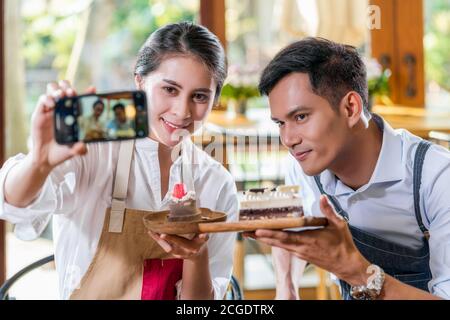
[(385, 205)]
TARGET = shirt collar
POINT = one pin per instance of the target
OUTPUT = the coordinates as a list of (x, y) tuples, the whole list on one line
[(146, 143), (389, 167)]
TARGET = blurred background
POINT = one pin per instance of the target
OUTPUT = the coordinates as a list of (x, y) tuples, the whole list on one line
[(405, 44)]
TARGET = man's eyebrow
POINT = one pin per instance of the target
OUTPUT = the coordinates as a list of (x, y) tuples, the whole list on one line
[(292, 112)]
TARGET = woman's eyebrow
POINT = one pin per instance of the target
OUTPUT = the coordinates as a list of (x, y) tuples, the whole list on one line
[(174, 83), (206, 90)]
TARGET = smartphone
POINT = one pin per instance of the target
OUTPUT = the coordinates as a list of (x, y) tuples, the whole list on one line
[(101, 117)]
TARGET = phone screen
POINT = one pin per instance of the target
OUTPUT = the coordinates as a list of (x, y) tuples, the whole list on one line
[(101, 117)]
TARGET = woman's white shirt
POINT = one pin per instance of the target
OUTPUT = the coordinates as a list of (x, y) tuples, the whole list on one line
[(79, 191)]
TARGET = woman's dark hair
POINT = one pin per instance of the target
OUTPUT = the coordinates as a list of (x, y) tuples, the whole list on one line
[(184, 38), (334, 69)]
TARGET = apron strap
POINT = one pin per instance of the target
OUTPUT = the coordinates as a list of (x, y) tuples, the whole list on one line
[(333, 200), (417, 180), (121, 186), (419, 160)]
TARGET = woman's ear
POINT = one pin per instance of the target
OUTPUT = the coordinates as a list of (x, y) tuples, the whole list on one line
[(139, 82), (353, 108)]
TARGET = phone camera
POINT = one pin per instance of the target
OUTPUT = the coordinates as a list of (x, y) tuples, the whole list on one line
[(69, 120)]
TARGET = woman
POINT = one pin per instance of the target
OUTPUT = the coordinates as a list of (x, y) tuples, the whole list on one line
[(101, 249)]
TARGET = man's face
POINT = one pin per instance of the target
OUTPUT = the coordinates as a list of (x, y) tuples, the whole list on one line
[(314, 132), (120, 115)]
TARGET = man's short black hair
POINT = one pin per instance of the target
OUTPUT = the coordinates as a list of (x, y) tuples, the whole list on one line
[(334, 69), (119, 106)]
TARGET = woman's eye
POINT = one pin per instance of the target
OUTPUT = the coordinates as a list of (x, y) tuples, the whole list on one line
[(201, 98), (170, 90), (301, 117)]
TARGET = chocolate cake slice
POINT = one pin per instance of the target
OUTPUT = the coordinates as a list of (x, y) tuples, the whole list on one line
[(280, 202), (183, 206)]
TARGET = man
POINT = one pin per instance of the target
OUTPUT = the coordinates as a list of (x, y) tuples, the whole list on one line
[(120, 126), (385, 192)]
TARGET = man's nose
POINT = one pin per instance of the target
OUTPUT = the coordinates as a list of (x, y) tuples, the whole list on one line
[(289, 136)]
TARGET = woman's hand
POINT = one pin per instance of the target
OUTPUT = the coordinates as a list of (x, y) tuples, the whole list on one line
[(46, 153), (25, 180), (180, 247)]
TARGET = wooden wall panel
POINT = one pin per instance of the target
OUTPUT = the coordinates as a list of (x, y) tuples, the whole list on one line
[(212, 16), (401, 34), (409, 30)]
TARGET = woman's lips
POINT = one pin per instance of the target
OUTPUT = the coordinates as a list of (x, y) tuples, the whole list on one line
[(170, 127), (301, 156)]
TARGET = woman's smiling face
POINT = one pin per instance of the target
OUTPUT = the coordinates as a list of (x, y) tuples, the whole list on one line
[(180, 95)]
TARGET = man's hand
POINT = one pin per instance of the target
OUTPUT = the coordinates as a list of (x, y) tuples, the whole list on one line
[(331, 248), (179, 247)]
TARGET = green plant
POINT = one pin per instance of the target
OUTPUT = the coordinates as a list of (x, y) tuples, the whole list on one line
[(377, 80), (239, 92)]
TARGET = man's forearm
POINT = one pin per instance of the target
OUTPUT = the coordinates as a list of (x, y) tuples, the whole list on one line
[(394, 289), (24, 182)]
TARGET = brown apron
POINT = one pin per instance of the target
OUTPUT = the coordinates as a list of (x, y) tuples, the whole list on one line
[(126, 255)]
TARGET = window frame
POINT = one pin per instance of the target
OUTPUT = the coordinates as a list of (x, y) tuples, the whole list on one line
[(2, 138)]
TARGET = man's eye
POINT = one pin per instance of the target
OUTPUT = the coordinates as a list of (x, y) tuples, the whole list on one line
[(301, 117), (279, 123)]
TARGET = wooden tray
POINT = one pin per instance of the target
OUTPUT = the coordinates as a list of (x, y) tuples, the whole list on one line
[(212, 222), (157, 222), (252, 225)]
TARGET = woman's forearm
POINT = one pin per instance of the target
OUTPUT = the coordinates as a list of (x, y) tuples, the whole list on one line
[(197, 284), (24, 182)]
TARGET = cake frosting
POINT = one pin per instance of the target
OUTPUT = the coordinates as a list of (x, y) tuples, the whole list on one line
[(183, 204), (266, 203)]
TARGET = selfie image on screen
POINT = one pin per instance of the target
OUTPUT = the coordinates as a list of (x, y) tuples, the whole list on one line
[(106, 118)]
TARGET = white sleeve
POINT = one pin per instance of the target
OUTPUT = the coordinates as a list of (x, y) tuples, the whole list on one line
[(437, 217), (55, 197), (221, 245)]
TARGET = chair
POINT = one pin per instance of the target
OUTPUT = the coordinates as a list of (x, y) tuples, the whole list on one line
[(234, 291), (8, 283)]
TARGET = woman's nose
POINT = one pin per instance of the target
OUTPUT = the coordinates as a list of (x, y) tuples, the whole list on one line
[(182, 109)]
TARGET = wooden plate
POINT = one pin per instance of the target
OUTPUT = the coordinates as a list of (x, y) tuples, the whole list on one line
[(252, 225), (157, 222)]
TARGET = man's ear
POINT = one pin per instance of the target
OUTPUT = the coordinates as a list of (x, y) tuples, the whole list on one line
[(353, 108), (139, 82)]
